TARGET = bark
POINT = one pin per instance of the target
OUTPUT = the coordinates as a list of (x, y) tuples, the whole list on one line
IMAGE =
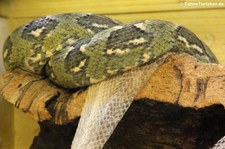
[(148, 124), (181, 80), (181, 106)]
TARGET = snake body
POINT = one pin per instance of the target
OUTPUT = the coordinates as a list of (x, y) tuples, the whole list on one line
[(79, 49)]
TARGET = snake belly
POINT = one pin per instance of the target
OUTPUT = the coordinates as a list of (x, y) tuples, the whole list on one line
[(79, 49)]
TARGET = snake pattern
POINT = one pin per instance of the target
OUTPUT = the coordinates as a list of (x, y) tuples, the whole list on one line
[(79, 49)]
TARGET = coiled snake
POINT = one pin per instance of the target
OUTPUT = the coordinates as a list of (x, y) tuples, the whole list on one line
[(78, 49)]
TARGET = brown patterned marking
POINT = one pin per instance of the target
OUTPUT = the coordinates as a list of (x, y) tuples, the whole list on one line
[(188, 84), (201, 86), (179, 77)]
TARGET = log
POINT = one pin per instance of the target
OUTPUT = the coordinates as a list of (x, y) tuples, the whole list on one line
[(181, 80), (148, 124)]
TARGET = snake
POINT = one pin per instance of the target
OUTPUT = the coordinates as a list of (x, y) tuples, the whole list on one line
[(76, 50), (79, 49)]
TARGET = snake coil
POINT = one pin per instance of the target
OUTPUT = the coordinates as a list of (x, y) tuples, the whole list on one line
[(79, 49)]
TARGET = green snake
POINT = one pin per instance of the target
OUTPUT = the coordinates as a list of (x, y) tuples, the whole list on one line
[(79, 49)]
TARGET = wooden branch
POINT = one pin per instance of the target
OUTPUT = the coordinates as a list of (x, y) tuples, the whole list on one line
[(185, 81), (181, 79)]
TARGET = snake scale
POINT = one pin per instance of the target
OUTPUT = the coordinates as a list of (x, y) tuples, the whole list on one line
[(79, 49)]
